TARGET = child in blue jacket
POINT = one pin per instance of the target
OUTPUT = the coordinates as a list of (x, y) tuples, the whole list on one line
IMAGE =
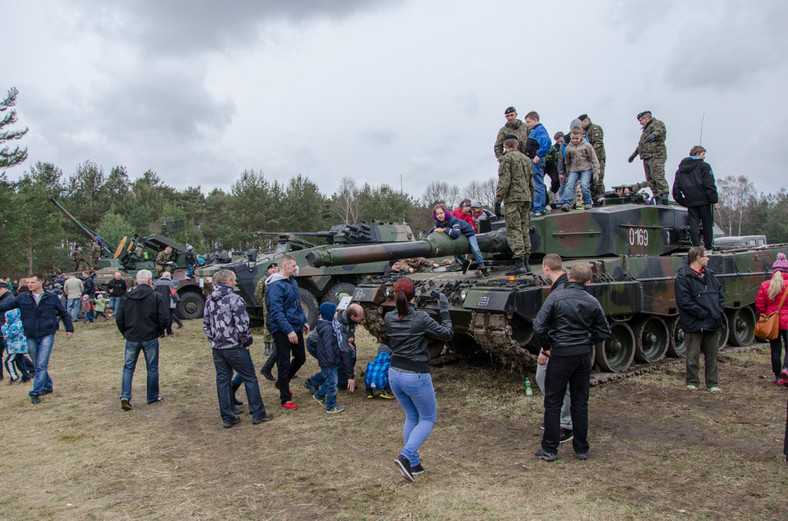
[(15, 346), (453, 227), (377, 377), (323, 344)]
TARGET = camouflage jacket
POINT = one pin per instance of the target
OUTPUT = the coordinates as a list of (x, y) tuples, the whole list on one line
[(77, 255), (416, 263), (515, 178), (655, 148), (597, 139), (225, 321), (519, 129), (259, 296), (162, 258), (95, 251)]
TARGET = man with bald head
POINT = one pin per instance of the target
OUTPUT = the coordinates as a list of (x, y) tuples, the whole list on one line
[(345, 327)]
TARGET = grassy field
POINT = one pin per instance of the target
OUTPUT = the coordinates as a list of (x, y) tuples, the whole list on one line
[(657, 451)]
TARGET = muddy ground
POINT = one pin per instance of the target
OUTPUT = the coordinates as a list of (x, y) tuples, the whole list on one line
[(656, 450)]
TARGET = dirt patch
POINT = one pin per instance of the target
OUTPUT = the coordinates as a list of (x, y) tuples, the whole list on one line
[(656, 450)]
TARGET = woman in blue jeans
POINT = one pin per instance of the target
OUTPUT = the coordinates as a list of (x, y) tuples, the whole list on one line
[(409, 332)]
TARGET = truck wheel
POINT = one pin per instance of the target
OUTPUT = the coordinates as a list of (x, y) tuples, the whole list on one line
[(190, 306), (339, 287), (309, 305)]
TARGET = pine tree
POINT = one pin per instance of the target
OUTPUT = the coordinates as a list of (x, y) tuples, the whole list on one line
[(8, 157)]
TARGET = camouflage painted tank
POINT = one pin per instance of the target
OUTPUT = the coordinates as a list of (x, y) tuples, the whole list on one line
[(317, 284), (634, 251)]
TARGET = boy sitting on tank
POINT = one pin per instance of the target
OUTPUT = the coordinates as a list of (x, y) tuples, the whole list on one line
[(377, 376), (453, 227)]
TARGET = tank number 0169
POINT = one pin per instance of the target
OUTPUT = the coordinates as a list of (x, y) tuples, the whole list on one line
[(638, 237)]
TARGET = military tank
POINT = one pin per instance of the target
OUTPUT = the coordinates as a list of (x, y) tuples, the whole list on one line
[(317, 284), (634, 251)]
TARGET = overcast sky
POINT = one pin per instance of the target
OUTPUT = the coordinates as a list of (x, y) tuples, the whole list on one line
[(198, 91)]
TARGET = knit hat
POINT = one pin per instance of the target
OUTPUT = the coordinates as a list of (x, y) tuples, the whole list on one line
[(576, 123), (383, 348), (327, 310), (781, 263)]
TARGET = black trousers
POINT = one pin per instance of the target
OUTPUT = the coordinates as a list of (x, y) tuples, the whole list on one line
[(286, 367), (575, 371), (701, 215)]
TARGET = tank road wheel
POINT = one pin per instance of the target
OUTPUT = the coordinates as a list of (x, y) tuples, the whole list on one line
[(652, 339), (190, 306), (678, 341), (722, 334), (339, 287), (309, 305), (742, 325), (616, 353)]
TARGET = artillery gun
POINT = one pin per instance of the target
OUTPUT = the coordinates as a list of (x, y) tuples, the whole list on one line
[(317, 284), (634, 251)]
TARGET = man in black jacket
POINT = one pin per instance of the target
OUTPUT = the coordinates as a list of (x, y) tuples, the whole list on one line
[(701, 303), (694, 188), (117, 288), (571, 321), (141, 317)]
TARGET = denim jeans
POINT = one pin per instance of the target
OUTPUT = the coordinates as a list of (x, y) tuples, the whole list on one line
[(540, 190), (416, 396), (576, 371), (238, 359), (113, 303), (151, 352), (40, 348), (73, 308), (475, 251), (585, 187), (326, 383)]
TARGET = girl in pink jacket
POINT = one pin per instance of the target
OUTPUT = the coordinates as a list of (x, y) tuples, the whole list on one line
[(769, 295)]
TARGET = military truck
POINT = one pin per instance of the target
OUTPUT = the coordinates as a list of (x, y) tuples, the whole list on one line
[(316, 284), (137, 253), (634, 251)]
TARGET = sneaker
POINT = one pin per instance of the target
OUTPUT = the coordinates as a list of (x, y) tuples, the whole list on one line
[(582, 455), (537, 214), (715, 390), (566, 435), (386, 396), (289, 405), (276, 386), (588, 207), (370, 396), (466, 265), (781, 381), (784, 373), (485, 273), (417, 470), (312, 388), (565, 208), (404, 468), (692, 388), (335, 409), (542, 454), (267, 374), (125, 404), (46, 391), (321, 401), (157, 400), (267, 418), (236, 420), (35, 400)]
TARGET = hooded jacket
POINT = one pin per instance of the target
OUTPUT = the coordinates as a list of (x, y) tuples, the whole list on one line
[(763, 304), (142, 314), (225, 321), (39, 320), (14, 333), (284, 304), (701, 301), (325, 345), (694, 183), (344, 328)]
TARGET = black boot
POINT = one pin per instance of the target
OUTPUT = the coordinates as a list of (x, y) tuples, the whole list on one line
[(519, 267), (665, 199), (526, 265), (233, 388)]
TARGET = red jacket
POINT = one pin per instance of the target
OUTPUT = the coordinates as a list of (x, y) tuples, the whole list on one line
[(764, 305), (459, 214)]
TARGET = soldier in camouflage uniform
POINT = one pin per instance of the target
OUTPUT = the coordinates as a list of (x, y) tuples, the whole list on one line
[(161, 261), (79, 258), (95, 254), (415, 264), (513, 127), (654, 154), (596, 137), (268, 339), (515, 189)]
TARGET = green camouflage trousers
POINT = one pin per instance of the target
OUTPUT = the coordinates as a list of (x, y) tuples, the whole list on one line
[(655, 175), (517, 215), (598, 186)]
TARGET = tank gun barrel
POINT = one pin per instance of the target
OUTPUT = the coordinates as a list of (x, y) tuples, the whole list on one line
[(109, 248), (296, 234), (435, 245)]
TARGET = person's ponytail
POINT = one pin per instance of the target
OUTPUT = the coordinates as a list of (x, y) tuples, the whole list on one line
[(403, 292)]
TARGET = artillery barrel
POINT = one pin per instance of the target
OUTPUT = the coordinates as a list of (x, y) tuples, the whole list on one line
[(436, 245), (109, 248)]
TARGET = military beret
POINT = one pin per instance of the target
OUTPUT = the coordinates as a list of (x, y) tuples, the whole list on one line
[(644, 113), (511, 136), (510, 110), (581, 117), (272, 265), (5, 285)]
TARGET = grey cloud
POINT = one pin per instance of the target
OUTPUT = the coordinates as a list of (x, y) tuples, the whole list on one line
[(380, 136)]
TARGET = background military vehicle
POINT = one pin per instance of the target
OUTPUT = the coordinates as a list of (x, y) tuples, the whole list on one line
[(634, 251), (137, 253), (316, 284)]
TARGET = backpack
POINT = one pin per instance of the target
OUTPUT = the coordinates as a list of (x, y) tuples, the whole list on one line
[(377, 376)]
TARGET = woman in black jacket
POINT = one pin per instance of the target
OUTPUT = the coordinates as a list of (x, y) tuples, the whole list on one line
[(409, 332)]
